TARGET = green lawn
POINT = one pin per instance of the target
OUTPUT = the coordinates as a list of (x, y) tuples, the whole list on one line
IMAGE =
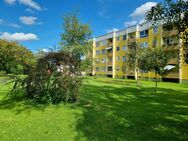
[(108, 110)]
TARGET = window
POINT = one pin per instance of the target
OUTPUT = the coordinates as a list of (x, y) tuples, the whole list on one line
[(97, 60), (155, 42), (124, 37), (104, 42), (144, 45), (117, 38), (103, 68), (110, 69), (97, 44), (97, 69), (124, 48), (144, 33), (97, 52), (117, 58), (104, 51), (155, 29), (117, 68), (124, 58), (103, 60), (117, 48), (169, 41)]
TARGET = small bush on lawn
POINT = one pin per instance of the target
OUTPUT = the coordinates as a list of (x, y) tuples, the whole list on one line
[(56, 78)]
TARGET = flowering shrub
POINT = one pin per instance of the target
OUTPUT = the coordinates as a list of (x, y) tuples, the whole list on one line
[(56, 78)]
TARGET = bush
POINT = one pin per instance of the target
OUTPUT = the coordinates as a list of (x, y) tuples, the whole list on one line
[(56, 78)]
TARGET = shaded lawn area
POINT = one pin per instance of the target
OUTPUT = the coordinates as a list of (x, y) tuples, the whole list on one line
[(111, 110)]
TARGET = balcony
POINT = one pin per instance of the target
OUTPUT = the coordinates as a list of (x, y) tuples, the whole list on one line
[(109, 63), (173, 46), (173, 61), (109, 72), (110, 54), (170, 33)]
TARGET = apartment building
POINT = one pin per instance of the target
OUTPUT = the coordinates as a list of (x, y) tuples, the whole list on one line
[(110, 52)]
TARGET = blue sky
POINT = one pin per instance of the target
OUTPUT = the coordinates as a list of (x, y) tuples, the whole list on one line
[(37, 24)]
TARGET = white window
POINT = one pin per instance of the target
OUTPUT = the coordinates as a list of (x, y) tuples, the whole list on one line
[(104, 42), (97, 52), (117, 68), (117, 58), (104, 51), (155, 29), (144, 45), (97, 69), (97, 60), (103, 68), (117, 48), (144, 33), (124, 48), (124, 58), (103, 60), (124, 37), (97, 44)]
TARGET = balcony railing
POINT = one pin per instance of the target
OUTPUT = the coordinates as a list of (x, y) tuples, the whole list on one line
[(170, 33), (173, 46), (173, 61), (110, 54), (109, 63)]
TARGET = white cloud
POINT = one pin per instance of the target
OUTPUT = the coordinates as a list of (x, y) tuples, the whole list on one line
[(141, 11), (18, 36), (29, 3), (11, 2), (30, 10), (45, 50), (14, 25), (130, 23), (138, 15), (112, 30), (30, 20), (5, 23)]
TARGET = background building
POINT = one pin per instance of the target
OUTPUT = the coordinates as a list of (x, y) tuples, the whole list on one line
[(110, 52)]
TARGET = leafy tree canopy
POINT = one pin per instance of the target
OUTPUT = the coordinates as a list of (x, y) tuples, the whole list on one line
[(171, 13), (15, 58)]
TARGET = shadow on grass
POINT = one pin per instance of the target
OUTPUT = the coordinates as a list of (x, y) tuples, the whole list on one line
[(126, 113), (18, 103)]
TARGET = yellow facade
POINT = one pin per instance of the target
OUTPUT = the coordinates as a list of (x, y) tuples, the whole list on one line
[(110, 52)]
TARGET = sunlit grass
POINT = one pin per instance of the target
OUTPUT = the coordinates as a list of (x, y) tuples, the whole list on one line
[(108, 110)]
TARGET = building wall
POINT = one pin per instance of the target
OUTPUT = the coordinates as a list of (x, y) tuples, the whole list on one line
[(112, 64)]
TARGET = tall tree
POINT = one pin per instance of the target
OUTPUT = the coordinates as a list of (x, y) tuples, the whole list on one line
[(172, 14), (76, 36), (76, 39)]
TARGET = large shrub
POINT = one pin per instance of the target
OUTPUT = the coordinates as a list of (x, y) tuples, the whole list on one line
[(56, 78)]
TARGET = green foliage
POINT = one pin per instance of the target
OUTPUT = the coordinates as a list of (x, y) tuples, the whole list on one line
[(172, 13), (56, 78), (76, 39), (15, 58), (154, 60)]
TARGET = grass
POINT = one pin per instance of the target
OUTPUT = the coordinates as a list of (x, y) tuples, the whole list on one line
[(108, 110)]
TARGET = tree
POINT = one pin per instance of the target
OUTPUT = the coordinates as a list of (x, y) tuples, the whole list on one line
[(134, 54), (154, 59), (15, 58), (76, 39), (172, 14)]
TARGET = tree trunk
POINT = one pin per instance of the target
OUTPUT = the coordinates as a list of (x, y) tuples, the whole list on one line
[(155, 82)]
